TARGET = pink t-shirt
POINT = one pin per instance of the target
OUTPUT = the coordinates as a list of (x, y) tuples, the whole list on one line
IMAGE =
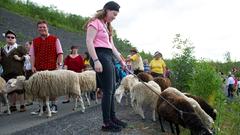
[(58, 47), (102, 37)]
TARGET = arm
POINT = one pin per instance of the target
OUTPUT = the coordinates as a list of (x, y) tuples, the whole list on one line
[(91, 34), (118, 55), (32, 59), (60, 54)]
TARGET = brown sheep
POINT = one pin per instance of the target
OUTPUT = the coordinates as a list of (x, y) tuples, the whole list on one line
[(164, 83), (188, 120), (145, 77)]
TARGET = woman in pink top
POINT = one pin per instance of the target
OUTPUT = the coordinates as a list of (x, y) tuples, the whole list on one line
[(102, 50)]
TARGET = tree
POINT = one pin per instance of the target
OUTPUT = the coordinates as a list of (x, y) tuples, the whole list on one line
[(182, 63), (227, 56)]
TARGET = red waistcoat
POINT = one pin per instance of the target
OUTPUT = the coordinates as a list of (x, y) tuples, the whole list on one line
[(45, 53)]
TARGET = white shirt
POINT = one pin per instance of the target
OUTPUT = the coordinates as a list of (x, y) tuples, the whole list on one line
[(238, 84), (11, 47), (230, 80), (27, 63)]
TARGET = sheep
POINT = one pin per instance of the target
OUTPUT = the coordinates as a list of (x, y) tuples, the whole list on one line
[(145, 77), (204, 105), (145, 94), (187, 118), (163, 82), (45, 84), (126, 85), (87, 81), (206, 119), (3, 95)]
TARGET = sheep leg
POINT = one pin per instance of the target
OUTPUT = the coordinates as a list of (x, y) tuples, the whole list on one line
[(48, 108), (140, 111), (161, 124), (81, 103), (177, 129), (41, 108), (154, 115), (126, 98), (76, 103), (171, 126), (7, 103), (86, 96)]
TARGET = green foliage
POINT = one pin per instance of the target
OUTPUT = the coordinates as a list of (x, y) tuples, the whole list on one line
[(54, 17), (182, 63), (205, 81)]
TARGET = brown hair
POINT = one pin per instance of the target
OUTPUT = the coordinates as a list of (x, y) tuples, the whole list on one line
[(42, 22), (101, 14)]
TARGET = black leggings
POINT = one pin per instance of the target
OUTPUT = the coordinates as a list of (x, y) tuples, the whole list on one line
[(106, 82)]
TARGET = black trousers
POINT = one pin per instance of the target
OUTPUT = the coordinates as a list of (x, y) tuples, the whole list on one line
[(106, 82)]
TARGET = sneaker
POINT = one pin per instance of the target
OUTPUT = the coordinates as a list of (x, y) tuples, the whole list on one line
[(119, 123), (22, 108), (13, 108), (54, 108), (111, 127), (66, 101)]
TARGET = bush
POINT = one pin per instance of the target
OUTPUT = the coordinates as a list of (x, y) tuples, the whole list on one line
[(205, 82)]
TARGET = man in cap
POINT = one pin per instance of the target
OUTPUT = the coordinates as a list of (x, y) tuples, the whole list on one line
[(12, 61)]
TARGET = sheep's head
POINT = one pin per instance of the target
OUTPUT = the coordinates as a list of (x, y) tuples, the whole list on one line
[(15, 84), (119, 93), (146, 77)]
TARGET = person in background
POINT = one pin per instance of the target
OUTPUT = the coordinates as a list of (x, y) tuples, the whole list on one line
[(157, 65), (168, 73), (102, 51), (238, 86), (12, 60), (146, 66), (46, 54), (27, 66), (73, 62), (230, 85), (87, 61), (136, 61)]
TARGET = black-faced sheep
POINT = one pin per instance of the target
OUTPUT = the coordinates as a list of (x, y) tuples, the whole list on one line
[(187, 118)]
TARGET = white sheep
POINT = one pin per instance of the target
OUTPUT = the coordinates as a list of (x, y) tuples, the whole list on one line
[(142, 94), (45, 84), (124, 88), (87, 81), (3, 95), (206, 119)]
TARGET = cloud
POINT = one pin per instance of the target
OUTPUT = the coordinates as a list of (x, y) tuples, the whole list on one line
[(150, 25)]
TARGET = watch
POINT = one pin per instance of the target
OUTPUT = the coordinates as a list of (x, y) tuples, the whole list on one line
[(60, 64)]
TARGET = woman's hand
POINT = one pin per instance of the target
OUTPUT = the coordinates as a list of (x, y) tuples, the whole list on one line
[(123, 64), (98, 66)]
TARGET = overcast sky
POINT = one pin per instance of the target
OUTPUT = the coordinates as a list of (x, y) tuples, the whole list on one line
[(212, 25)]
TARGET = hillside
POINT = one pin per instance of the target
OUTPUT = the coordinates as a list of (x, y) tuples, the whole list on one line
[(26, 29)]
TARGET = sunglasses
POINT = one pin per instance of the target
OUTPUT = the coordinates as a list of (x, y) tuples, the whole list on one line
[(10, 37)]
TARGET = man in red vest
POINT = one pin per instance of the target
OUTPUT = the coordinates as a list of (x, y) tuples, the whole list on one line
[(46, 53)]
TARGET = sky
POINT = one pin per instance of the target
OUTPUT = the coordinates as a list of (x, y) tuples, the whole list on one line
[(213, 26)]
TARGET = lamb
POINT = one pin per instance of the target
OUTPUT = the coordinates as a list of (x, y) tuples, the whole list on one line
[(206, 119), (45, 84), (142, 94), (3, 95), (87, 81), (187, 118), (126, 85), (164, 83)]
